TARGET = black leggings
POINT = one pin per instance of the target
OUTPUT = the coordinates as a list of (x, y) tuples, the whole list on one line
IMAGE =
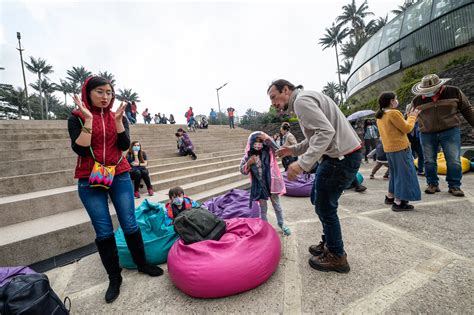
[(137, 175)]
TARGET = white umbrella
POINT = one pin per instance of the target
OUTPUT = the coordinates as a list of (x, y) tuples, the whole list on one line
[(360, 114)]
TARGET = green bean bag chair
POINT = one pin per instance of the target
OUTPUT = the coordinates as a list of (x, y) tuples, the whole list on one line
[(157, 236)]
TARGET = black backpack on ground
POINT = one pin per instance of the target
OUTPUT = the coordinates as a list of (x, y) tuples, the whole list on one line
[(198, 224), (30, 294)]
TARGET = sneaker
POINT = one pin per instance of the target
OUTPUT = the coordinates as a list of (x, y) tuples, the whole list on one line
[(317, 250), (420, 173), (285, 229), (372, 176), (431, 189), (328, 261), (136, 194), (456, 191), (150, 192), (389, 201), (403, 206), (360, 188)]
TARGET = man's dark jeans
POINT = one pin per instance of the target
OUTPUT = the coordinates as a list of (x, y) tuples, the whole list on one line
[(332, 177)]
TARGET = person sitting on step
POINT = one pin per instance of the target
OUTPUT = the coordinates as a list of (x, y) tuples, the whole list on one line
[(185, 145), (138, 161)]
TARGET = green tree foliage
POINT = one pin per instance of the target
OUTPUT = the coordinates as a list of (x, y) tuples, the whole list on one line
[(40, 67), (334, 36), (127, 94), (108, 76), (78, 75), (354, 16)]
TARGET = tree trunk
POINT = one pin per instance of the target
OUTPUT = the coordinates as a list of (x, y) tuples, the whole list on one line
[(338, 74), (41, 95), (46, 105)]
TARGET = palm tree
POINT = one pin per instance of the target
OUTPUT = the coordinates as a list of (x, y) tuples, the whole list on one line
[(47, 88), (40, 67), (108, 76), (331, 89), (333, 36), (78, 75), (350, 49), (402, 8), (346, 67), (127, 94), (374, 25), (63, 87), (354, 16)]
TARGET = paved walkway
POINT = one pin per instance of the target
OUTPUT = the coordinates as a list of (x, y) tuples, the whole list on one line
[(420, 261)]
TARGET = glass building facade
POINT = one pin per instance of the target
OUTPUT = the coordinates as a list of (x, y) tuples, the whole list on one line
[(428, 28)]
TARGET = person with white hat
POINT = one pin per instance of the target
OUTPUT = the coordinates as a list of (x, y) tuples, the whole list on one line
[(440, 105)]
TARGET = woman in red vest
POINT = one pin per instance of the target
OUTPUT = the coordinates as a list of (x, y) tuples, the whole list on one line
[(100, 135)]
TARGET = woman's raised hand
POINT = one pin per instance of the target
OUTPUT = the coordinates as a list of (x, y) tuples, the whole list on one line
[(82, 107), (120, 111)]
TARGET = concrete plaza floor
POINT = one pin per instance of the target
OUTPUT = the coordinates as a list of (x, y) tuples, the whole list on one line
[(407, 262)]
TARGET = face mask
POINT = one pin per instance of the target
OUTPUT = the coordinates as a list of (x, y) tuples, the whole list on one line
[(430, 94), (178, 201), (136, 148), (258, 146)]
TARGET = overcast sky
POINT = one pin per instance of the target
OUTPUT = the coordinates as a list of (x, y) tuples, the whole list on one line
[(175, 54)]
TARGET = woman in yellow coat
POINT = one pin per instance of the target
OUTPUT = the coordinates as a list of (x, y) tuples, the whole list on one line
[(393, 128)]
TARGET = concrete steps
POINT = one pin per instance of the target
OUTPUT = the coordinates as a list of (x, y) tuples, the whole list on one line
[(41, 213), (16, 167)]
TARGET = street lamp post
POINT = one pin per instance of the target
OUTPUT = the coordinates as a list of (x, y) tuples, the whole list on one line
[(18, 35), (219, 103)]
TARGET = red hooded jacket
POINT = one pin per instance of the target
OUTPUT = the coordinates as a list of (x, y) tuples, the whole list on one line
[(104, 139)]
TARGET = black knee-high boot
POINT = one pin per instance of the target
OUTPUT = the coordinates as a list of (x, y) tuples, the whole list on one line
[(137, 250), (109, 255)]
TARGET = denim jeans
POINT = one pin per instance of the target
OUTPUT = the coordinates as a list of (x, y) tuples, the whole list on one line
[(130, 118), (97, 205), (450, 141), (332, 177), (275, 199)]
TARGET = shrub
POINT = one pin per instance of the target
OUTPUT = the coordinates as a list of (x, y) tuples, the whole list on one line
[(457, 61)]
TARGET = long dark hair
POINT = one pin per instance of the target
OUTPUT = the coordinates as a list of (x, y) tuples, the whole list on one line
[(281, 83), (384, 101), (285, 126), (94, 82), (140, 153)]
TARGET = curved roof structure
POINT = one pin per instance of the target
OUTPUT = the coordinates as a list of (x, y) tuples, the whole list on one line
[(428, 28)]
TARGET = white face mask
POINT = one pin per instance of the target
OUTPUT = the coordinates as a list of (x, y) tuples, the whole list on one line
[(258, 146), (431, 94)]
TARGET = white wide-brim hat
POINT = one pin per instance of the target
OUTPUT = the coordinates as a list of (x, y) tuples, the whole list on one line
[(429, 83)]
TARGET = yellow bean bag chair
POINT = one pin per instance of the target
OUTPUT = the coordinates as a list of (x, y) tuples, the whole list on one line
[(465, 164)]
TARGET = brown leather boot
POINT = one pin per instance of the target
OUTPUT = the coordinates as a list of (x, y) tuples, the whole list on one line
[(456, 191), (431, 189), (317, 250), (328, 261)]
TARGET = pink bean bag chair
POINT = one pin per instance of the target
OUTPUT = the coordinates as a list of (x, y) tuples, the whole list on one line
[(245, 257)]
